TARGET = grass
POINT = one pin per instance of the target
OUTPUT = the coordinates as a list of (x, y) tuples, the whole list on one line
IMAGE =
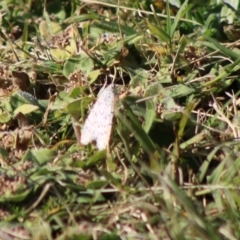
[(171, 170)]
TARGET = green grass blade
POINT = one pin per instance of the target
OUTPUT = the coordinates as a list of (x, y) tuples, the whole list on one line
[(158, 32), (219, 47), (182, 126), (130, 121), (185, 8), (149, 116), (169, 21)]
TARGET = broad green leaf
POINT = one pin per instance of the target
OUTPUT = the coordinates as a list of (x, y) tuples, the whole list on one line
[(73, 108), (44, 155), (23, 98), (138, 77), (111, 53), (61, 54), (179, 90), (48, 30), (75, 92), (93, 75), (5, 116), (78, 63), (154, 90), (25, 109)]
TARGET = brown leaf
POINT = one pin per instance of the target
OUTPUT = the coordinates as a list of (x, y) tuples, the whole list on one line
[(21, 80)]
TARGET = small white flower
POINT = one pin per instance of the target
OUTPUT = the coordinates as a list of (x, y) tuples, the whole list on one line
[(98, 124)]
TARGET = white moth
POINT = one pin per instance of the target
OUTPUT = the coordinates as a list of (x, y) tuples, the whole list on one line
[(98, 124)]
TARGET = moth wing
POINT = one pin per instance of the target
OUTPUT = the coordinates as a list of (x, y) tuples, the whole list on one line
[(106, 115), (104, 131), (99, 121), (88, 133)]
